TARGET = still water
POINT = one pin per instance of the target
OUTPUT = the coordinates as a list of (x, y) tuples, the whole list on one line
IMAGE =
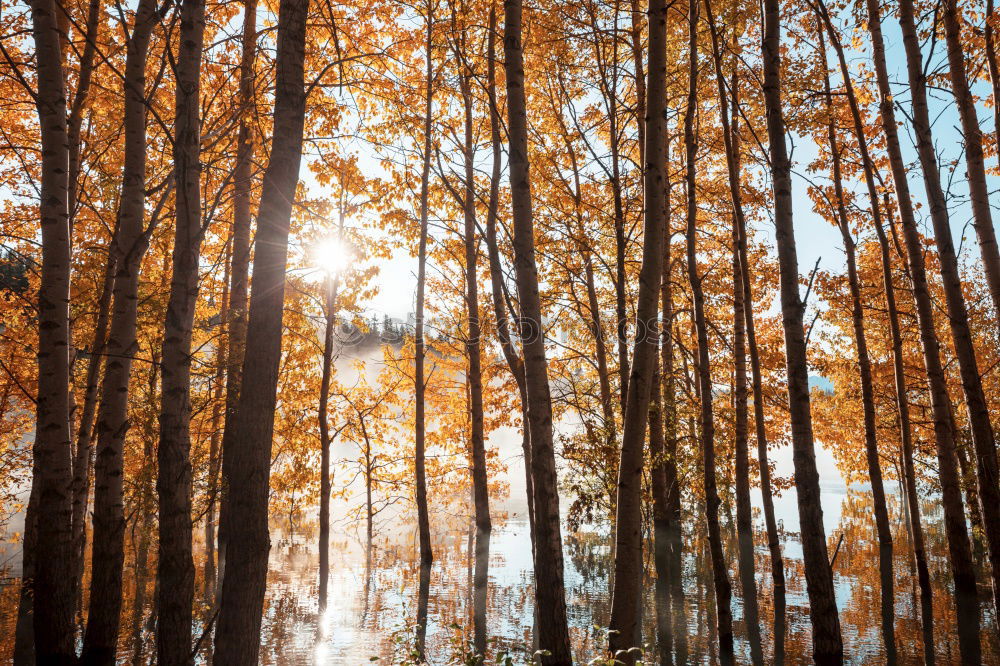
[(373, 591)]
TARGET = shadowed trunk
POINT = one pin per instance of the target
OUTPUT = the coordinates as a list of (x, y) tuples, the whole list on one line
[(951, 495), (861, 344), (52, 474), (744, 519), (146, 519), (175, 572), (550, 599), (760, 425), (215, 432), (83, 458), (989, 37), (661, 522), (720, 570), (129, 247), (244, 509), (671, 482), (628, 568), (82, 467), (979, 194), (479, 591), (239, 276), (827, 644), (983, 437)]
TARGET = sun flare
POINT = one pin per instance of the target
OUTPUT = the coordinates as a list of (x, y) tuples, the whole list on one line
[(331, 256)]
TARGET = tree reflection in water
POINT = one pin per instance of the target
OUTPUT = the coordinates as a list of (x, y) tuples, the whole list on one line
[(478, 595)]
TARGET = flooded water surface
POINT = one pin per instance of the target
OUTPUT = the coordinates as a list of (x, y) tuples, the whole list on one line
[(374, 592)]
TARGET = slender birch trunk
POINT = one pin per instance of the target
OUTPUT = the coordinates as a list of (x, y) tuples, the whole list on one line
[(720, 571), (324, 437), (129, 247), (760, 424), (82, 469), (911, 499), (480, 482), (331, 288), (175, 571), (992, 64), (52, 474), (83, 459), (661, 520), (420, 352), (671, 479), (215, 434)]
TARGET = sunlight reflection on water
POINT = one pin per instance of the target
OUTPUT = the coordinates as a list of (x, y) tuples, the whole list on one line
[(372, 602)]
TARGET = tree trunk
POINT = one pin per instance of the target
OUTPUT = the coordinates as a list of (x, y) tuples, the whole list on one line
[(420, 352), (244, 511), (139, 599), (827, 645), (129, 246), (864, 368), (83, 455), (663, 453), (760, 425), (989, 37), (983, 436), (621, 273), (24, 632), (480, 482), (951, 495), (975, 399), (215, 434), (173, 483), (82, 468), (497, 287), (147, 524), (479, 592), (52, 474), (332, 285), (744, 519), (720, 571), (80, 99), (661, 521), (628, 570), (671, 480), (979, 193), (550, 599), (239, 277)]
